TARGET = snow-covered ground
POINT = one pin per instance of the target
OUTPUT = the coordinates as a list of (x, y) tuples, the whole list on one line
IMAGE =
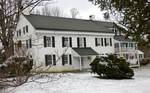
[(88, 83)]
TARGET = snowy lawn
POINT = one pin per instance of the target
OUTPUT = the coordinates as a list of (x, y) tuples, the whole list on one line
[(88, 83)]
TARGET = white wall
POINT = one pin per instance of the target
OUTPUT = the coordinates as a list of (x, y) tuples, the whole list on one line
[(90, 41), (31, 34)]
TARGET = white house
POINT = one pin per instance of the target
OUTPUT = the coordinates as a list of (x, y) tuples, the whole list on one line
[(64, 42), (127, 48)]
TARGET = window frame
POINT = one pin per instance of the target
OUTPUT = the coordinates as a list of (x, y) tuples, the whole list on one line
[(48, 41), (67, 60), (27, 28), (52, 60), (66, 41), (82, 42)]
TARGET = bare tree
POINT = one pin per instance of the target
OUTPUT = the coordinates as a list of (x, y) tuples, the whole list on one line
[(74, 12), (56, 11), (46, 11), (49, 11), (10, 11), (21, 71)]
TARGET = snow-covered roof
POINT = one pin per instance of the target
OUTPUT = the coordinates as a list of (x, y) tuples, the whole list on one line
[(140, 52)]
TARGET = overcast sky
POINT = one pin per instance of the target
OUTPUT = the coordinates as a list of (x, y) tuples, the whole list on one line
[(84, 7)]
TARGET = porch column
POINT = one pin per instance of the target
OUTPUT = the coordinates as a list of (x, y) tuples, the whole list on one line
[(80, 63), (138, 59)]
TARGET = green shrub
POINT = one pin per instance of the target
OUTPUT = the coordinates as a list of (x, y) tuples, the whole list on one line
[(112, 67), (144, 61), (18, 66)]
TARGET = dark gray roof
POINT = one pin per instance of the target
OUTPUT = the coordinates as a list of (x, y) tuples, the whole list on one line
[(122, 38), (68, 24), (85, 51)]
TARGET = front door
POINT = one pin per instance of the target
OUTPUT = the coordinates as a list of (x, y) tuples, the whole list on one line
[(82, 62)]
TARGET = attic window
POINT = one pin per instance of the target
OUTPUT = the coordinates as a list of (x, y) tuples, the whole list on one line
[(26, 28), (19, 32)]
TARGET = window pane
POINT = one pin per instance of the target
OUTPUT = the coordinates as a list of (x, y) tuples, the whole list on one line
[(66, 42), (49, 59), (27, 29), (65, 59), (81, 42), (98, 41), (48, 41)]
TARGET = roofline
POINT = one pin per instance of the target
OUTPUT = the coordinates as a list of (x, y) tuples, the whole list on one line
[(125, 41), (69, 18), (74, 30)]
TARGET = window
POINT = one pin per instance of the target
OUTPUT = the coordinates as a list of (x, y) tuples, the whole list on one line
[(66, 42), (29, 43), (27, 29), (66, 59), (116, 45), (49, 41), (98, 41), (124, 45), (131, 45), (107, 42), (19, 32), (140, 56), (131, 56), (50, 60), (81, 42)]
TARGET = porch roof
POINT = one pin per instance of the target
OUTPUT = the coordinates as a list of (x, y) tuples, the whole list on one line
[(85, 51)]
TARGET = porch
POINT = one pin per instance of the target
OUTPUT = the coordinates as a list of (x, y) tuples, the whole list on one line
[(84, 56)]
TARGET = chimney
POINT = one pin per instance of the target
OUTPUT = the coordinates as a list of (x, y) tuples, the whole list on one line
[(92, 17)]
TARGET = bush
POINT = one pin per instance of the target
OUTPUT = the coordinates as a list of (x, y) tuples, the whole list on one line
[(112, 67), (16, 66), (144, 61)]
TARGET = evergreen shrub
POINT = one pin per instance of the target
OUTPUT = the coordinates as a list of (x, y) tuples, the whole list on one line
[(112, 67)]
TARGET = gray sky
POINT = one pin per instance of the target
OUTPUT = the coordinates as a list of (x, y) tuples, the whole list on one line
[(84, 7)]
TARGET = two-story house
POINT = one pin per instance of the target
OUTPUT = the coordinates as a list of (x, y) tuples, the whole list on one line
[(64, 42)]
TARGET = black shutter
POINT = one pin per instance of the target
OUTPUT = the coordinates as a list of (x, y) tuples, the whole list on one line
[(63, 44), (70, 59), (70, 41), (110, 42), (105, 41), (45, 41), (30, 43), (17, 34), (84, 42), (53, 41), (54, 59), (63, 62), (96, 42), (115, 31), (78, 42), (46, 60), (27, 44), (26, 28), (102, 42)]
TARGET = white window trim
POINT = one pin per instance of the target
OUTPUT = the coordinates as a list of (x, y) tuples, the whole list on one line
[(51, 59)]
